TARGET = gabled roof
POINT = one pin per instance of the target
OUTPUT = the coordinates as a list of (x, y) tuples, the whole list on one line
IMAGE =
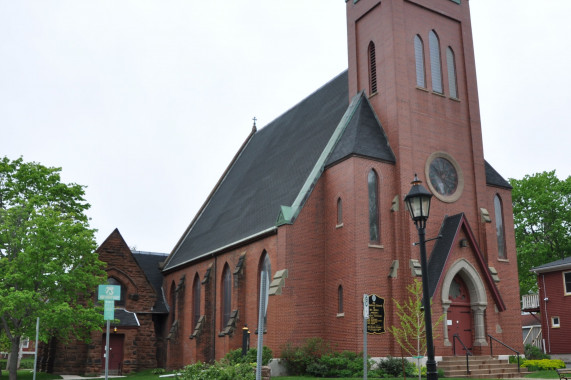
[(272, 176), (449, 231), (364, 136), (267, 173), (553, 266), (494, 178), (150, 263)]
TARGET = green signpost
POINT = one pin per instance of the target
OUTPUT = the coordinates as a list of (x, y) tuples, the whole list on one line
[(108, 294)]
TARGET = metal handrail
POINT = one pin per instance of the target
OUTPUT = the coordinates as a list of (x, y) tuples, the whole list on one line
[(468, 352), (506, 346)]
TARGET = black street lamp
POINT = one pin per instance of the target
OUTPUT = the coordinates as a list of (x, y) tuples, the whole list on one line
[(418, 204)]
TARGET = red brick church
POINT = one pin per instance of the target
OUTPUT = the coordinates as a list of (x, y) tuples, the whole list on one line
[(315, 199)]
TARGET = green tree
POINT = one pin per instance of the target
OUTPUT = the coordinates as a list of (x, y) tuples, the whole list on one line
[(542, 222), (411, 334), (48, 265)]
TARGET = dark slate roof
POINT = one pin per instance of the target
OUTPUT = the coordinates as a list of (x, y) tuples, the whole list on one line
[(363, 136), (451, 225), (494, 178), (441, 249), (126, 318), (268, 173), (553, 266), (150, 263)]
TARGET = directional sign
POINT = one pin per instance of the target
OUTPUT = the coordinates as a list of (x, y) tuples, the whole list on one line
[(109, 292), (366, 306), (109, 310)]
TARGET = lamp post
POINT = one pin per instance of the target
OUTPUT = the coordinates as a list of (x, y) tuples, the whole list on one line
[(418, 204)]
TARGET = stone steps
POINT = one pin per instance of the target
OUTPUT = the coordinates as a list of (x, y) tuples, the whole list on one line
[(480, 367)]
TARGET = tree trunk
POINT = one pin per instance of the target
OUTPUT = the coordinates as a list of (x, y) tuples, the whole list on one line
[(13, 358)]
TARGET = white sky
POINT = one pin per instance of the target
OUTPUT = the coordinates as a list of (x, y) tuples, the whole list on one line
[(145, 102)]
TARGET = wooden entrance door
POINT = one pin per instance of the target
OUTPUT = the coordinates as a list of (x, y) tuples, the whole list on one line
[(460, 315), (115, 353)]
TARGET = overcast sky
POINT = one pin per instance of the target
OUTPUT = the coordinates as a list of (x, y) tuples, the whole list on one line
[(145, 102)]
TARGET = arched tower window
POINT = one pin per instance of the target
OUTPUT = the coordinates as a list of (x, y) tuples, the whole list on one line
[(435, 66), (419, 58), (373, 186), (500, 233), (226, 296), (339, 211), (340, 299), (114, 281), (264, 269), (451, 65), (196, 289), (372, 68)]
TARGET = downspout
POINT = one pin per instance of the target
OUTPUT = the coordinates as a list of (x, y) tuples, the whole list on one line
[(545, 299), (215, 280)]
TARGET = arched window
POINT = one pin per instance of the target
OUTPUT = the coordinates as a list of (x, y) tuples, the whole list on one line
[(372, 68), (226, 296), (114, 281), (196, 300), (264, 269), (373, 186), (419, 58), (173, 302), (435, 66), (500, 233), (339, 211), (340, 299), (451, 65)]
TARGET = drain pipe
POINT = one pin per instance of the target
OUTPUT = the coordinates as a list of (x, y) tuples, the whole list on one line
[(545, 299)]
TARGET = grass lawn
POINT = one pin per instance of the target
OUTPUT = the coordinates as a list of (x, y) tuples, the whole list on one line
[(148, 375), (28, 374)]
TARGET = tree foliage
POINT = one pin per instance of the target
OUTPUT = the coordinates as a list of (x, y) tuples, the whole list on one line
[(542, 222), (48, 265), (410, 334)]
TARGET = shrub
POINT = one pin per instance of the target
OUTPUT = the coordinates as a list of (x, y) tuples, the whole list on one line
[(393, 367), (235, 356), (534, 353), (543, 364), (158, 371), (337, 364), (218, 371), (297, 359)]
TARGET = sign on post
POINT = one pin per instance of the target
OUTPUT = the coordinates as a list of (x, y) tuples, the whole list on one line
[(109, 310), (376, 315), (109, 293)]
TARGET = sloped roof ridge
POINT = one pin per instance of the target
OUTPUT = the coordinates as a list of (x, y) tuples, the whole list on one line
[(560, 264), (299, 104), (319, 166), (494, 178)]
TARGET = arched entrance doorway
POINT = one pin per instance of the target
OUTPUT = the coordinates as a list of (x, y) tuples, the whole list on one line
[(460, 315), (464, 301)]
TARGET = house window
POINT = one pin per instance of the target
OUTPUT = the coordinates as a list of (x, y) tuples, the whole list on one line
[(196, 300), (451, 65), (567, 282), (372, 69), (555, 322), (226, 296), (340, 299), (500, 234), (373, 185), (114, 281), (435, 66), (419, 58), (264, 269), (339, 212)]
